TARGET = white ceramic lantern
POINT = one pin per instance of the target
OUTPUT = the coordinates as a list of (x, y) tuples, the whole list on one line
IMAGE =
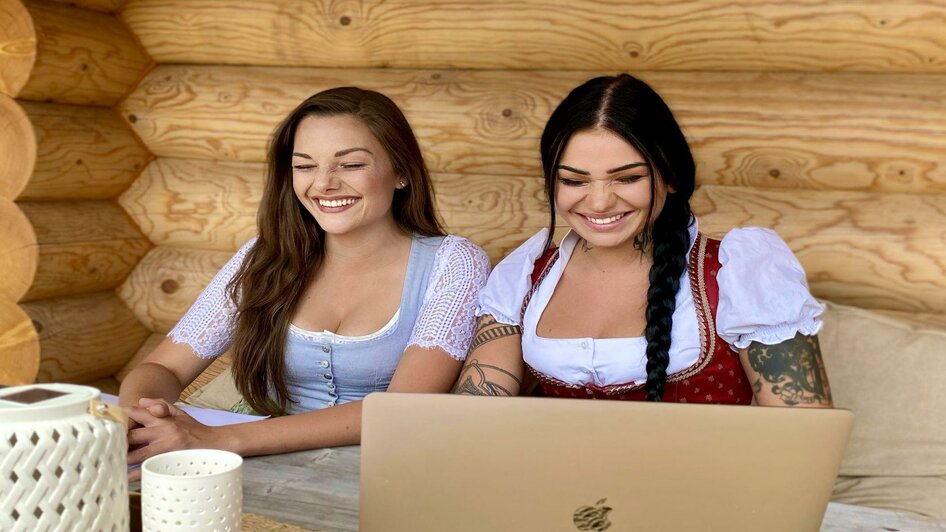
[(62, 460)]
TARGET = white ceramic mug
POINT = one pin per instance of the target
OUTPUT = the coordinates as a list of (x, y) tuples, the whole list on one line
[(198, 489)]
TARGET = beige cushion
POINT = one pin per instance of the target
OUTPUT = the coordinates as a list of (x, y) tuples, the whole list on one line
[(890, 373)]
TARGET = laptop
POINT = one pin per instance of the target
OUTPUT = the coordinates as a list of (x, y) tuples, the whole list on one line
[(464, 463)]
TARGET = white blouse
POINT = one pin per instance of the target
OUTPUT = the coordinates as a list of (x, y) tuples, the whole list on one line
[(446, 319), (763, 297)]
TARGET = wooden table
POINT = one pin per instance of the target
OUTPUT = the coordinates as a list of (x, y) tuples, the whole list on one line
[(319, 490)]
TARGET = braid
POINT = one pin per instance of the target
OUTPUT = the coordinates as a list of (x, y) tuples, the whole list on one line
[(671, 240)]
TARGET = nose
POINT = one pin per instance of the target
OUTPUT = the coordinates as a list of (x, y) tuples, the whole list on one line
[(600, 196), (324, 180)]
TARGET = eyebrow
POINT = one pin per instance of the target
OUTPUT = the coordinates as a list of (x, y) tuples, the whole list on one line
[(611, 171), (337, 154)]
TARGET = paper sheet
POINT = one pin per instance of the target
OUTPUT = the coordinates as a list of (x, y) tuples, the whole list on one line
[(207, 416)]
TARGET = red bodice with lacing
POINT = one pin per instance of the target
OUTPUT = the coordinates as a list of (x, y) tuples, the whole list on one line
[(716, 377)]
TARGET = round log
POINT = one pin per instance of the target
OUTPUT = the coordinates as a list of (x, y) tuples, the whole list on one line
[(83, 338), (167, 281), (18, 145), (19, 252), (84, 246), (17, 46), (83, 57), (19, 345), (83, 153), (720, 35), (194, 203), (779, 130)]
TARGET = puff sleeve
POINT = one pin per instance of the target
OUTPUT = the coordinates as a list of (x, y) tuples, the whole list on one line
[(763, 292)]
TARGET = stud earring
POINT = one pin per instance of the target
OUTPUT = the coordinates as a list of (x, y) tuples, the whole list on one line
[(400, 185)]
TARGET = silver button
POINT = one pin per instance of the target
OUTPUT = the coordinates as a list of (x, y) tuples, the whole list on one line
[(328, 376), (331, 386), (331, 403), (326, 348), (584, 345), (324, 363)]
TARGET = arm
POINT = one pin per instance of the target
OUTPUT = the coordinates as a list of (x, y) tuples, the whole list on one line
[(419, 371), (790, 373), (163, 374), (494, 364)]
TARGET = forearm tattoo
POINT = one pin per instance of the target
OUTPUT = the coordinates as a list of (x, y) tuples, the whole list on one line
[(488, 329), (793, 369), (473, 380)]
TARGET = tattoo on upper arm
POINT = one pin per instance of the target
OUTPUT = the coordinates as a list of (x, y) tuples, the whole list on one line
[(473, 380), (793, 368), (488, 329)]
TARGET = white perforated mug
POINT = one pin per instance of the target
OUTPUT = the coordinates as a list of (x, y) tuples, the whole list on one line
[(194, 490)]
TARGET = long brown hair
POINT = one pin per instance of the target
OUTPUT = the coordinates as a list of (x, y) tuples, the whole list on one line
[(290, 245)]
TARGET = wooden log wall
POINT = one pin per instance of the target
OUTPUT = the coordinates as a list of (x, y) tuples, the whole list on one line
[(825, 158), (65, 244)]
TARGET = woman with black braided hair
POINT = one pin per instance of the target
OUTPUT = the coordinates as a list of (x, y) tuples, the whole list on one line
[(636, 303)]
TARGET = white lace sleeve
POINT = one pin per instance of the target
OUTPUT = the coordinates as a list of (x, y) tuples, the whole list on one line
[(448, 316), (207, 327), (763, 292)]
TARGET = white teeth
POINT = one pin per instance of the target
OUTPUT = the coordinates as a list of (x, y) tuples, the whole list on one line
[(336, 203), (602, 221)]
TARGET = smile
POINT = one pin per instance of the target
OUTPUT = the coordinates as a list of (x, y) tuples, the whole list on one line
[(337, 203), (605, 221)]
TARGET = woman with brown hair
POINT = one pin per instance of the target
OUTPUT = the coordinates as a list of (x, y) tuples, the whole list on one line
[(350, 287)]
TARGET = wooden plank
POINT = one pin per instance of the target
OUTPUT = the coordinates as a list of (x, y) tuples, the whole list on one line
[(779, 130), (17, 46), (18, 145), (19, 345), (84, 246), (84, 337), (83, 153), (19, 252), (167, 281), (812, 35), (877, 251), (83, 57)]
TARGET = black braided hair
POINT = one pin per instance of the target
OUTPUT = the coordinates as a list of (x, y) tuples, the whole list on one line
[(631, 109)]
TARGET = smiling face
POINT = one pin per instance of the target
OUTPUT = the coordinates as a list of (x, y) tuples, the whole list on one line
[(603, 189), (342, 175)]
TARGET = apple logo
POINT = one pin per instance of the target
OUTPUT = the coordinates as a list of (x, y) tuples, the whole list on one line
[(593, 517)]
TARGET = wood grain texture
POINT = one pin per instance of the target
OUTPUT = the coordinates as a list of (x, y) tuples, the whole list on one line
[(195, 203), (84, 337), (19, 252), (17, 46), (83, 57), (84, 246), (810, 35), (105, 6), (780, 130), (19, 345), (83, 153), (167, 281), (18, 146), (146, 348), (877, 251)]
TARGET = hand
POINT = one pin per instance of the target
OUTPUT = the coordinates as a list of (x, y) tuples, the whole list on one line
[(163, 427)]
